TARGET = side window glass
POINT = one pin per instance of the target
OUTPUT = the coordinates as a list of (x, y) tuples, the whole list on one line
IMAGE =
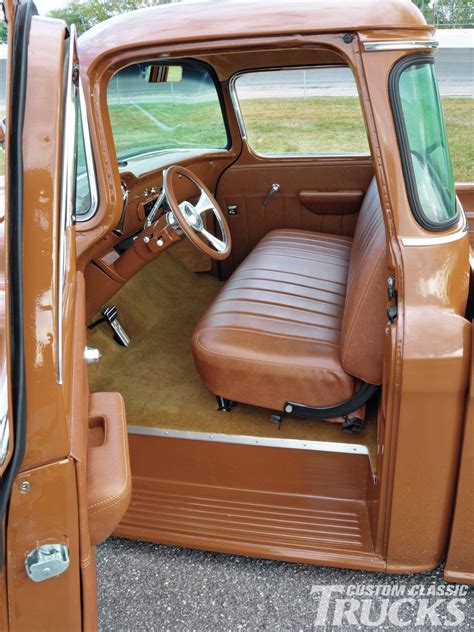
[(423, 143), (302, 111)]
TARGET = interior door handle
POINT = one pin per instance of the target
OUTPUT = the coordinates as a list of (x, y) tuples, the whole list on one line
[(273, 189)]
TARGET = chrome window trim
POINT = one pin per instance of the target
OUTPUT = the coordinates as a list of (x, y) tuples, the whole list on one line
[(68, 181), (90, 163), (240, 118), (371, 47), (268, 442)]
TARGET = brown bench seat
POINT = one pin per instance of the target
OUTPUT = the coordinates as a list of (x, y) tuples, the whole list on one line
[(301, 319)]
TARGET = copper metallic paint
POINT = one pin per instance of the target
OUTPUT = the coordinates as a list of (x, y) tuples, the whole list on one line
[(405, 518), (415, 389)]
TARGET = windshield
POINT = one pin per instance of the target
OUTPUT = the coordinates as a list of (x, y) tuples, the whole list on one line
[(155, 107)]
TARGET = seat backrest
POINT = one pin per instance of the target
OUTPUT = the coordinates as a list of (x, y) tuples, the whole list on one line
[(365, 316)]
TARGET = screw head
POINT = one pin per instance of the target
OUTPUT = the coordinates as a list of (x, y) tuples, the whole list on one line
[(348, 37), (288, 408), (25, 486), (146, 240)]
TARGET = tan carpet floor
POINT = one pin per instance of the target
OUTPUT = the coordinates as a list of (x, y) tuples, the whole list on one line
[(159, 308)]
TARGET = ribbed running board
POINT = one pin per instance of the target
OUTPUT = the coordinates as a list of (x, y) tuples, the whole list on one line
[(249, 522)]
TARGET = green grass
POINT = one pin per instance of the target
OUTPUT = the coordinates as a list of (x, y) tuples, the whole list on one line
[(302, 127), (180, 125), (277, 126), (319, 124), (459, 116)]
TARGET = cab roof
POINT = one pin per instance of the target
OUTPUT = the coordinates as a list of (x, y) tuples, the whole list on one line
[(208, 20)]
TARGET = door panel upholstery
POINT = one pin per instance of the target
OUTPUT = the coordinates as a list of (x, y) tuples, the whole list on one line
[(322, 195)]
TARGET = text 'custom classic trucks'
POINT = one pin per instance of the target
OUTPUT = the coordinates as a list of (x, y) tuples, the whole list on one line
[(236, 296)]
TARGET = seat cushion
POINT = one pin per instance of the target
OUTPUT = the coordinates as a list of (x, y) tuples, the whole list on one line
[(273, 334)]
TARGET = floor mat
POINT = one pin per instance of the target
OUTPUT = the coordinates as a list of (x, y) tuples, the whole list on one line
[(159, 308)]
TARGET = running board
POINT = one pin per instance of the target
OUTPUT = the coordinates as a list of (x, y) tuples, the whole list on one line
[(252, 498)]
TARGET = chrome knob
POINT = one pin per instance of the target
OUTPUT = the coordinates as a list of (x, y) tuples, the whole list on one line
[(91, 355)]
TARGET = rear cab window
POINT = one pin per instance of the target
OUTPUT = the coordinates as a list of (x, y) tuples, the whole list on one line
[(156, 107), (423, 142), (301, 111)]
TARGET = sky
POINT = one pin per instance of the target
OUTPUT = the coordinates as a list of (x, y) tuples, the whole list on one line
[(44, 6)]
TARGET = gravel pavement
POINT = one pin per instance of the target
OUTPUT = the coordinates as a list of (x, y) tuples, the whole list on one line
[(151, 587)]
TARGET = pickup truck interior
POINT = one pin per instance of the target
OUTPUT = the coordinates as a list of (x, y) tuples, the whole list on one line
[(249, 280)]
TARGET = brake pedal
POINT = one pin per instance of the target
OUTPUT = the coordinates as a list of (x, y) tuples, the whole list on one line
[(110, 316)]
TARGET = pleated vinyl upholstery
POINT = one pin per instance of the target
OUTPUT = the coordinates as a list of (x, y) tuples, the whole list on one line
[(273, 334), (286, 325)]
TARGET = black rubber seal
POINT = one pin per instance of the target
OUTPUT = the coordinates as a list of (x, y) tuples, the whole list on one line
[(343, 409), (16, 117), (404, 145)]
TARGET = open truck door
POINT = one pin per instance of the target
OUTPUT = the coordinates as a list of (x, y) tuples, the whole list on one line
[(40, 504), (51, 487)]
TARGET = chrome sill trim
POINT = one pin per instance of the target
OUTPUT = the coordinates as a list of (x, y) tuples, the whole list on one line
[(267, 442), (370, 47)]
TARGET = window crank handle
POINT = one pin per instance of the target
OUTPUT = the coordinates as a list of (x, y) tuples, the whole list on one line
[(273, 189)]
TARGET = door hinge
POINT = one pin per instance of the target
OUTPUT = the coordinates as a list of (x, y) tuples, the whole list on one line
[(392, 311)]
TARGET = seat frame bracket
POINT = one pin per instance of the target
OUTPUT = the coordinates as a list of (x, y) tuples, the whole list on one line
[(365, 392)]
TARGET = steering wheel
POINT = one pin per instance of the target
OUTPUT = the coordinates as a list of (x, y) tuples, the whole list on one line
[(189, 217)]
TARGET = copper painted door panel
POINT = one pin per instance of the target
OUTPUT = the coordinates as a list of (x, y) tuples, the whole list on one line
[(44, 502), (322, 195), (460, 561)]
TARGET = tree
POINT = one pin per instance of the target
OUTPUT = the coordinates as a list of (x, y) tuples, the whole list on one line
[(448, 13), (86, 14), (3, 32)]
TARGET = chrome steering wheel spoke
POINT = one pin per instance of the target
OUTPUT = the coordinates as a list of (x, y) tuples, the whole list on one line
[(203, 204), (216, 243), (192, 213)]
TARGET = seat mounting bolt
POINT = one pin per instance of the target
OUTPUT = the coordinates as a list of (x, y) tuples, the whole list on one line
[(288, 408)]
